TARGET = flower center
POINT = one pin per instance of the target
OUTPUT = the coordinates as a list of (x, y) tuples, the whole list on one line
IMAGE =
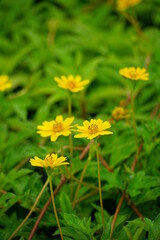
[(133, 73), (93, 128), (72, 84), (58, 127), (49, 159), (120, 112)]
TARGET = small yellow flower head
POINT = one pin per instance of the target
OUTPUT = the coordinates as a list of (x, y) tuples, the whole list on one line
[(56, 128), (4, 83), (120, 113), (73, 84), (134, 73), (51, 160), (93, 129), (122, 5)]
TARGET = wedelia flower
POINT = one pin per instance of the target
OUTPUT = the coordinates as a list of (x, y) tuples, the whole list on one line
[(55, 128), (51, 160), (122, 5), (73, 84), (119, 113), (93, 129), (4, 83), (134, 73)]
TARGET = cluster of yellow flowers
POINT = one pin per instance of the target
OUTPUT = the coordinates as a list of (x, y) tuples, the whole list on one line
[(90, 129)]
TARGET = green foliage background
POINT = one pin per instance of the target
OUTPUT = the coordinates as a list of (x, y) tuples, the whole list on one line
[(43, 39)]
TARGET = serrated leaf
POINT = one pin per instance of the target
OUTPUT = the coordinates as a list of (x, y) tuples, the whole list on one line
[(65, 203)]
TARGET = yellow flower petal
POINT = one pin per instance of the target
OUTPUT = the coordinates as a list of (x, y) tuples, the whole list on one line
[(124, 4), (55, 128), (71, 83), (51, 160), (37, 162), (53, 138), (59, 118), (4, 83), (93, 129), (68, 121), (134, 73)]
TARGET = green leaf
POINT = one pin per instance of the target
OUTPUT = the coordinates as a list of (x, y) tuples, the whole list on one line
[(153, 228), (65, 203), (75, 222), (123, 148), (73, 233), (140, 181)]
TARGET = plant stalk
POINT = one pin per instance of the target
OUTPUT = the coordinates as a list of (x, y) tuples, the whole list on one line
[(81, 180), (70, 114), (134, 125), (99, 185), (30, 212), (54, 206)]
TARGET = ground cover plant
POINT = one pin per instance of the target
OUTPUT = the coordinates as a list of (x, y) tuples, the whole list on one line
[(80, 119)]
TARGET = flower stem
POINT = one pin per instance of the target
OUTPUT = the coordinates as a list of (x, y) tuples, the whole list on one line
[(99, 184), (81, 180), (134, 125), (70, 114), (66, 168), (133, 22), (70, 138), (30, 212), (54, 206)]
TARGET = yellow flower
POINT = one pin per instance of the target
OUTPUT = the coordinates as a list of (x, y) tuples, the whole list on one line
[(134, 73), (120, 113), (73, 84), (93, 129), (55, 128), (124, 4), (4, 83), (51, 160)]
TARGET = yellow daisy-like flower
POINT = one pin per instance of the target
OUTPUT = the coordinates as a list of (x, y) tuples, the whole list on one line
[(122, 5), (73, 84), (51, 160), (134, 73), (120, 113), (93, 129), (56, 128), (4, 83)]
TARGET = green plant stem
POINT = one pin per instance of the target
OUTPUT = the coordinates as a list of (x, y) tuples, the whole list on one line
[(99, 184), (88, 195), (70, 114), (134, 124), (132, 20), (30, 212), (81, 180), (54, 206), (70, 139), (84, 183), (66, 168)]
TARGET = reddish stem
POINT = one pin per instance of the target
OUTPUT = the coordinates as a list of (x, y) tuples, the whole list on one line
[(135, 159), (135, 209), (44, 209), (105, 164), (85, 150), (116, 212)]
